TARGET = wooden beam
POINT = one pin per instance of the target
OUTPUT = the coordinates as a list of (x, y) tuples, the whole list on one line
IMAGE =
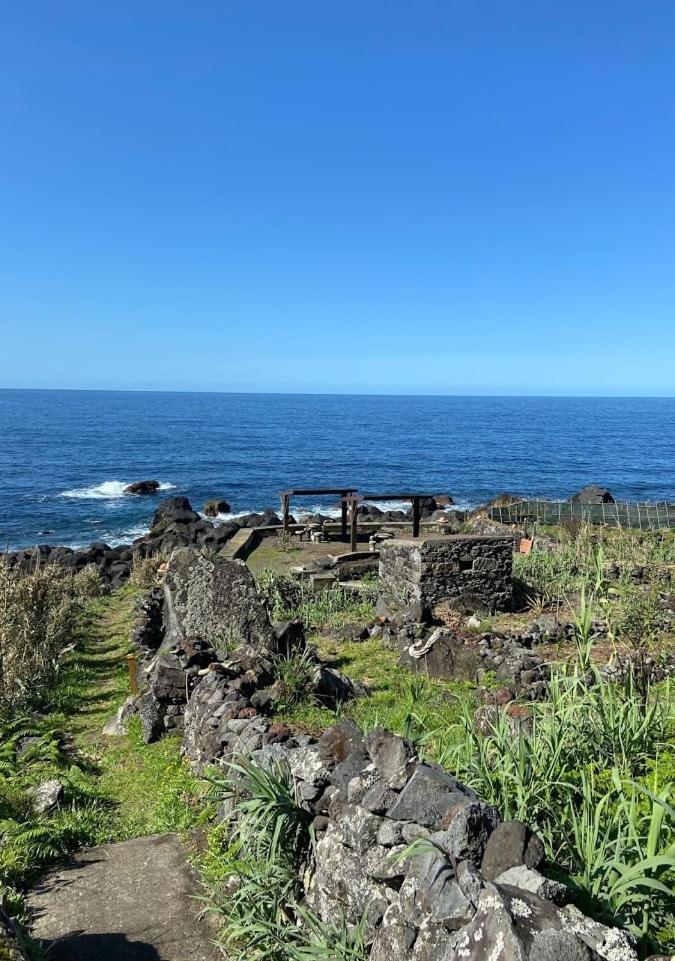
[(416, 516), (354, 526), (343, 509), (285, 508)]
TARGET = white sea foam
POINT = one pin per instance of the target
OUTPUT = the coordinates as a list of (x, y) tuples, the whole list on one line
[(108, 490), (126, 537), (334, 510)]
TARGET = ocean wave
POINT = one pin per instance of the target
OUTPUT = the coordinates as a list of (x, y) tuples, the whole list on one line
[(126, 537), (335, 511), (108, 490)]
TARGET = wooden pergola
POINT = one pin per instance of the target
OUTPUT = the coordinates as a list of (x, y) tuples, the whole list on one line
[(353, 500), (344, 494)]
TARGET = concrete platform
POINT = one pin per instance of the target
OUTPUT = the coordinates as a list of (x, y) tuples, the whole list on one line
[(132, 901)]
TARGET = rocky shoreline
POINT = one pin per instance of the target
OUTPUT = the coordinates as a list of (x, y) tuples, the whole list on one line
[(175, 523)]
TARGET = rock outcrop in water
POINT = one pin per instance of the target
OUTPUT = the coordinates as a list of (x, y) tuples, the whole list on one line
[(214, 507), (142, 487), (593, 495)]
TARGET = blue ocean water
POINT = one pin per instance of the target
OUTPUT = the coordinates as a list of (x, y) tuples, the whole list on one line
[(66, 455)]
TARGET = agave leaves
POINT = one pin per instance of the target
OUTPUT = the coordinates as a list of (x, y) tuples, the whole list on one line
[(264, 919), (269, 823)]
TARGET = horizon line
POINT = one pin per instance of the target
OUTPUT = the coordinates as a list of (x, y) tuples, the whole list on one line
[(337, 393)]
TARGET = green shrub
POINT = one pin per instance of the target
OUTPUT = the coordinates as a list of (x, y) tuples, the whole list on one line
[(254, 866), (296, 674)]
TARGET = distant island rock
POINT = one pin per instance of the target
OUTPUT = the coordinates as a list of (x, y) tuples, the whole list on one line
[(142, 487)]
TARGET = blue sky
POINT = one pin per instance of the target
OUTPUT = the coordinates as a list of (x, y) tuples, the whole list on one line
[(427, 197)]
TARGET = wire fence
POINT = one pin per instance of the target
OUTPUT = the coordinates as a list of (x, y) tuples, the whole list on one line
[(645, 516)]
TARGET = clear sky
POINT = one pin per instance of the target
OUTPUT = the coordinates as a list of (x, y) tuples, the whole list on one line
[(430, 197)]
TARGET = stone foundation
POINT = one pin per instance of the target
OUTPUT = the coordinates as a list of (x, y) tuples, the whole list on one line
[(416, 576)]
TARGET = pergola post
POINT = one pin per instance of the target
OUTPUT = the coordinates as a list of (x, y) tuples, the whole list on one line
[(343, 508), (415, 516), (354, 526), (285, 509)]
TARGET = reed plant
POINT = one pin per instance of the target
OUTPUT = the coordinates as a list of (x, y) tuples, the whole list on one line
[(37, 612), (579, 773)]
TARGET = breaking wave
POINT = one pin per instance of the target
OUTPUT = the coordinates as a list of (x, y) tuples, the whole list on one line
[(108, 490)]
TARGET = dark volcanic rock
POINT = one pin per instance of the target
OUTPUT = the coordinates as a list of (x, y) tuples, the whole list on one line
[(510, 845), (142, 487), (593, 495), (428, 796), (214, 507), (449, 656), (11, 948), (173, 510), (215, 599)]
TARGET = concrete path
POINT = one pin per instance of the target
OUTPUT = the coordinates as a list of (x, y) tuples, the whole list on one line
[(132, 901)]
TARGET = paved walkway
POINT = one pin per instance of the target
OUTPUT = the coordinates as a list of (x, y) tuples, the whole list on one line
[(132, 901)]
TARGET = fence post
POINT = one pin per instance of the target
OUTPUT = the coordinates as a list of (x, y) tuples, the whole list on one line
[(133, 673)]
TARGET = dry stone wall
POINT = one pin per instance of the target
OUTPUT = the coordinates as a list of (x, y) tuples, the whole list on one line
[(399, 845), (416, 576)]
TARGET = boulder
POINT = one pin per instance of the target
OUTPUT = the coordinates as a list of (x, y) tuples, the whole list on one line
[(173, 510), (118, 725), (592, 494), (142, 487), (391, 755), (215, 599), (267, 519), (46, 795), (469, 831), (443, 654), (215, 507), (516, 925), (428, 797), (511, 844)]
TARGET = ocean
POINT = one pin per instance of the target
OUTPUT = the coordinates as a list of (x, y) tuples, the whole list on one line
[(65, 456)]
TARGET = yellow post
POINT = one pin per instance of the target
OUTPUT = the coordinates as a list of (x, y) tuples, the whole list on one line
[(133, 673)]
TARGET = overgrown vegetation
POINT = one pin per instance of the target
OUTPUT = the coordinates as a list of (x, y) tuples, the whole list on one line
[(37, 614), (253, 870), (590, 772), (111, 789), (590, 769), (289, 598), (605, 562)]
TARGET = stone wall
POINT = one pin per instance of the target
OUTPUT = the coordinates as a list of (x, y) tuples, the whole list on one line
[(418, 575), (401, 846)]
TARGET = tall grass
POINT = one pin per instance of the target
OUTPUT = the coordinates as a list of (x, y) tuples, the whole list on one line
[(579, 775), (36, 619), (582, 556), (255, 875)]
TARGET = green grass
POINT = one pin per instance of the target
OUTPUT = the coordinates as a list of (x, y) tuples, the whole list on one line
[(114, 788), (415, 706)]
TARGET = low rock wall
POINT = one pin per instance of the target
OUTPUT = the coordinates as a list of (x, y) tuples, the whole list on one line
[(401, 846), (417, 576)]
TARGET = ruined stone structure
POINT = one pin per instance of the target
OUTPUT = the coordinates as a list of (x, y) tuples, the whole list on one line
[(418, 575)]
